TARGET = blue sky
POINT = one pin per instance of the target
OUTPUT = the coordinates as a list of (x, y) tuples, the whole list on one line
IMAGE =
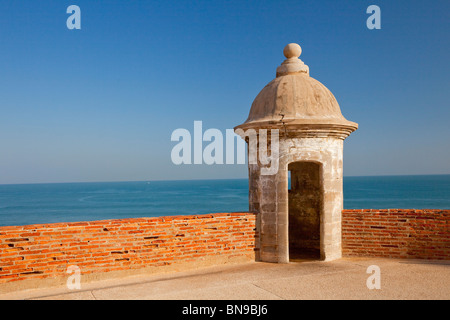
[(100, 103)]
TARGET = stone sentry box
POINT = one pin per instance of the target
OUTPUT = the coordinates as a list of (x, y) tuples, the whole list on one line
[(305, 217)]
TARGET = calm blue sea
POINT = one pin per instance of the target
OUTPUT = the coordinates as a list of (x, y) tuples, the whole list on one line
[(69, 202)]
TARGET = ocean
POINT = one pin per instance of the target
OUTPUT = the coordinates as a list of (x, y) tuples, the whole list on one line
[(69, 202)]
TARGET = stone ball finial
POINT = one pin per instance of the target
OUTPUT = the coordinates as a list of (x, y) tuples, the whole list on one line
[(292, 50), (292, 64)]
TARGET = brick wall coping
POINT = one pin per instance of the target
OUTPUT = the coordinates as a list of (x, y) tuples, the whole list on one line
[(397, 210), (124, 220)]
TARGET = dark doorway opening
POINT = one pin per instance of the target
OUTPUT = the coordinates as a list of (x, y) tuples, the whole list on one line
[(305, 208)]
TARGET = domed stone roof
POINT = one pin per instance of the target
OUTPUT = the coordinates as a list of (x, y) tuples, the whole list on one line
[(296, 102)]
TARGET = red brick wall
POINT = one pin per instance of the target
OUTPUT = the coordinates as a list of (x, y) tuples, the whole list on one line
[(42, 251), (396, 233)]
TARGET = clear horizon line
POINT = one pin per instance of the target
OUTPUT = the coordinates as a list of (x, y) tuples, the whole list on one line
[(210, 179)]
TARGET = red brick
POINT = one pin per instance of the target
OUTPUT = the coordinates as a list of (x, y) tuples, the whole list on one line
[(38, 251)]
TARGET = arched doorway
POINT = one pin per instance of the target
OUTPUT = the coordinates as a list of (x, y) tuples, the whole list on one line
[(305, 210)]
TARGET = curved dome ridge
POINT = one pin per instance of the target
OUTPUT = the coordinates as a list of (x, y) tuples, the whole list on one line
[(295, 98)]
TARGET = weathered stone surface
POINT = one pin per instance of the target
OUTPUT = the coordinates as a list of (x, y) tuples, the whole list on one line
[(311, 133)]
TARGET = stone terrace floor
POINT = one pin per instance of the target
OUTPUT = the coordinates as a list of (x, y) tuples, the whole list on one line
[(341, 279)]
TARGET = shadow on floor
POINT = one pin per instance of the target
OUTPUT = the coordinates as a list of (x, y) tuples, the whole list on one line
[(302, 255)]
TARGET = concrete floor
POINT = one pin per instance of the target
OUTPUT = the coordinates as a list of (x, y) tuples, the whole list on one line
[(341, 279)]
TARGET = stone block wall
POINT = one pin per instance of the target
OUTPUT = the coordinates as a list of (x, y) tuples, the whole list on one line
[(269, 196)]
